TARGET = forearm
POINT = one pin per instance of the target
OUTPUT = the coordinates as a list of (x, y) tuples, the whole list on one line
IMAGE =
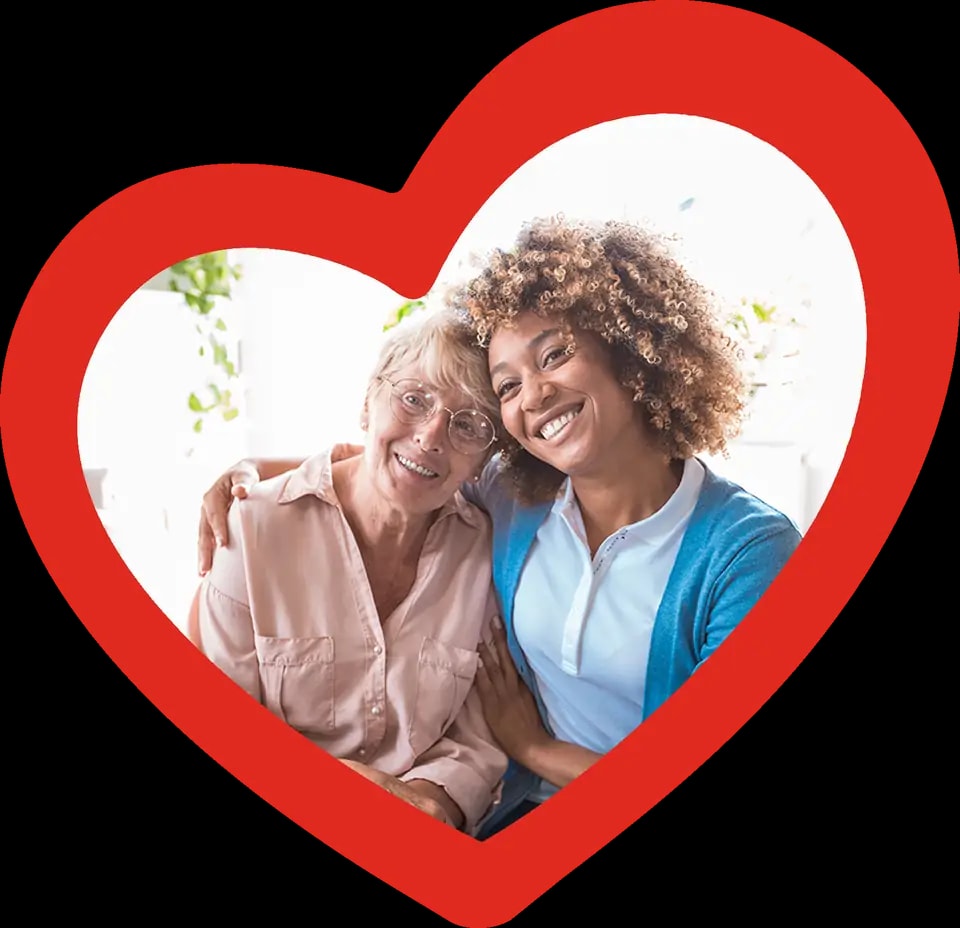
[(557, 762), (437, 794)]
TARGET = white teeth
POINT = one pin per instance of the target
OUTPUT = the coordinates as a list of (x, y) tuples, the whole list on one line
[(416, 468), (558, 424)]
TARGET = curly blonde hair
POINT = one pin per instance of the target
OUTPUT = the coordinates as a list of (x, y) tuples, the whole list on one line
[(665, 340)]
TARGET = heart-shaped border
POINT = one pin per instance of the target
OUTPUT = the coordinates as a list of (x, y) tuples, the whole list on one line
[(466, 881)]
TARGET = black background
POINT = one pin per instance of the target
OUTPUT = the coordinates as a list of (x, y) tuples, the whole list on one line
[(829, 797)]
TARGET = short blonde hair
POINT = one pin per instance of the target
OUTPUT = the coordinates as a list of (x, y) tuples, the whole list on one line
[(443, 346)]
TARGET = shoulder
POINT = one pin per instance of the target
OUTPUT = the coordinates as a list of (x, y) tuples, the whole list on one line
[(280, 500), (731, 524), (469, 519), (488, 491), (494, 494), (725, 505)]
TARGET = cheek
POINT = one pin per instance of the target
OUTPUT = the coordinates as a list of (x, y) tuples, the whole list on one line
[(512, 419)]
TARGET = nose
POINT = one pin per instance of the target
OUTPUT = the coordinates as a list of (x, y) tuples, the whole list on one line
[(535, 391), (431, 433)]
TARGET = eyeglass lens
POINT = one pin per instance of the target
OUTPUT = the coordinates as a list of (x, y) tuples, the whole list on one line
[(469, 429)]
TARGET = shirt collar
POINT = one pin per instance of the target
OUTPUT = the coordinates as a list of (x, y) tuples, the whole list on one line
[(314, 477), (681, 502)]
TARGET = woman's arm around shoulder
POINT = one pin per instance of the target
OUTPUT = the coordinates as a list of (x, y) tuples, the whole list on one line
[(232, 484), (221, 621)]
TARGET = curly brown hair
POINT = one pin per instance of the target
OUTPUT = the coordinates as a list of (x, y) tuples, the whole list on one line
[(665, 340)]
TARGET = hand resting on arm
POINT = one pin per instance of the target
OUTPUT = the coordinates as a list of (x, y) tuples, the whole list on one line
[(511, 712)]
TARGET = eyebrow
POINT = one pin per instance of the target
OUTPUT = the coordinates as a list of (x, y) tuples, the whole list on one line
[(532, 345)]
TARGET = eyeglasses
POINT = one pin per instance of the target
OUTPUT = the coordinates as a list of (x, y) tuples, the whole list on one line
[(411, 402)]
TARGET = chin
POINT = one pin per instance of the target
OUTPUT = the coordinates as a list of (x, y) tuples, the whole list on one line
[(564, 460)]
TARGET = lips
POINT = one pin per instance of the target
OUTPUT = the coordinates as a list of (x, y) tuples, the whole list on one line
[(555, 423), (414, 468)]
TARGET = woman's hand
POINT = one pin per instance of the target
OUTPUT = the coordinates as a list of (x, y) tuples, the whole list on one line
[(408, 792), (231, 485), (508, 705), (511, 713), (234, 484)]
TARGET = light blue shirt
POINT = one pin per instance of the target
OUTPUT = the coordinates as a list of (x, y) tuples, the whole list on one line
[(584, 624), (733, 547)]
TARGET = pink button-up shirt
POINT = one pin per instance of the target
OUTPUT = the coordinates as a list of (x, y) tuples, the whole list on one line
[(287, 611)]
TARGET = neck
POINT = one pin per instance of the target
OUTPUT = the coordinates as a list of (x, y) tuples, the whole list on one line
[(376, 526), (625, 495)]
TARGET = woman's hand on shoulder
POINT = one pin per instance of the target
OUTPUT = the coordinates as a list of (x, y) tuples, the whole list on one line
[(232, 484)]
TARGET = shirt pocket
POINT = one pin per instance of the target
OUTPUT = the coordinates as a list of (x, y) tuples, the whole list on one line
[(444, 676), (297, 681)]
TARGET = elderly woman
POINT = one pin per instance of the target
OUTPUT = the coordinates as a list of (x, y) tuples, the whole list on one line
[(621, 561), (355, 589)]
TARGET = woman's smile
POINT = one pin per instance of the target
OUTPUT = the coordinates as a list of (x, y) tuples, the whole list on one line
[(556, 426), (411, 466), (563, 404)]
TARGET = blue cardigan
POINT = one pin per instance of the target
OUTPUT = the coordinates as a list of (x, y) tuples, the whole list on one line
[(733, 547)]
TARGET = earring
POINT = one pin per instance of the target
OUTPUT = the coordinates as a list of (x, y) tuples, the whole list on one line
[(364, 424)]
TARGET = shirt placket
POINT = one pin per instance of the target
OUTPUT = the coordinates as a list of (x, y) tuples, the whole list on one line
[(374, 684), (592, 574)]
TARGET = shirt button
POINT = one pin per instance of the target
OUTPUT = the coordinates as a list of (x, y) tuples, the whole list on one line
[(375, 710), (377, 649)]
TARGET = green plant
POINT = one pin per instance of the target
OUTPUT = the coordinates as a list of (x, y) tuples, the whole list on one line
[(757, 327), (401, 313), (203, 280)]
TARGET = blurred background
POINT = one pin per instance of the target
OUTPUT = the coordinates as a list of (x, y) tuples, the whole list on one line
[(255, 352)]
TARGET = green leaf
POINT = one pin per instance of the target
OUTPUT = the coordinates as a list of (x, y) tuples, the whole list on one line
[(198, 425), (220, 325), (194, 403), (231, 413)]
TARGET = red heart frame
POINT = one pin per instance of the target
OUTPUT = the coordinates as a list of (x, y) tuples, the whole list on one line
[(468, 882)]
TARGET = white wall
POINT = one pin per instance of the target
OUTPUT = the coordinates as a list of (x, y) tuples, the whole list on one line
[(311, 331)]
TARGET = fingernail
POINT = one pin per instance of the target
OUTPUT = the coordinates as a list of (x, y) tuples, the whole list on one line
[(219, 541), (497, 623)]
